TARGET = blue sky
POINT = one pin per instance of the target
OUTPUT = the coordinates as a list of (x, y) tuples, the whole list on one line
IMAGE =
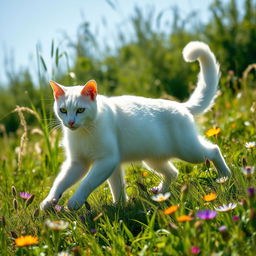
[(24, 23)]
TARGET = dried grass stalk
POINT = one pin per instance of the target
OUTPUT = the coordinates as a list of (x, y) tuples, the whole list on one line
[(248, 70), (24, 136)]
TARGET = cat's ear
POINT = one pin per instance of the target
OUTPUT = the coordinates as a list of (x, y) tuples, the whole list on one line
[(90, 89), (57, 90)]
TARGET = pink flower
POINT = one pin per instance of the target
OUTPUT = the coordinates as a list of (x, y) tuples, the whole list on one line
[(195, 250), (235, 218), (25, 195)]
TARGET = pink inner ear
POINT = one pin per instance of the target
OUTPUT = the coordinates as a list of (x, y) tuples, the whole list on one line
[(58, 91), (90, 89)]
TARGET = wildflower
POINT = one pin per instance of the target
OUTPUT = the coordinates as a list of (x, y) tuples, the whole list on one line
[(206, 214), (161, 197), (58, 208), (222, 180), (26, 240), (64, 254), (226, 207), (223, 228), (248, 171), (82, 218), (228, 105), (233, 125), (212, 132), (224, 232), (145, 174), (250, 145), (251, 192), (210, 197), (231, 72), (155, 190), (184, 218), (171, 209), (25, 195), (195, 250), (57, 225), (93, 230), (235, 218)]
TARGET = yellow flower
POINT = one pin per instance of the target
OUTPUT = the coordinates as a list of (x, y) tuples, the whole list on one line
[(210, 197), (184, 218), (212, 132), (171, 209), (145, 174), (26, 240)]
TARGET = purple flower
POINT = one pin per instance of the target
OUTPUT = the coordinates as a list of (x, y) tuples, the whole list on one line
[(82, 218), (235, 218), (195, 250), (223, 229), (25, 195), (251, 192), (154, 190), (206, 214), (93, 230), (57, 208)]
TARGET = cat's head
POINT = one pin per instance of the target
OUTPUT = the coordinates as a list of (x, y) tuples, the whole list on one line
[(75, 106)]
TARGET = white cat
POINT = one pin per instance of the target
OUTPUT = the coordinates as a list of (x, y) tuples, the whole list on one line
[(101, 133)]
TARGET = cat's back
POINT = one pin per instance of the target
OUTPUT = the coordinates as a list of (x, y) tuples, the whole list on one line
[(141, 106)]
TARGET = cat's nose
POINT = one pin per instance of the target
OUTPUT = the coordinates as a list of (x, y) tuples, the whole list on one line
[(71, 123)]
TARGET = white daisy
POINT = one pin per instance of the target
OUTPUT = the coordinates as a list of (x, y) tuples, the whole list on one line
[(57, 225), (222, 180), (64, 254), (226, 207), (161, 197), (248, 171), (251, 144)]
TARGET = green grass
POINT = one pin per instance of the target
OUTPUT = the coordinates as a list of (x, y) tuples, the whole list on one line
[(140, 227)]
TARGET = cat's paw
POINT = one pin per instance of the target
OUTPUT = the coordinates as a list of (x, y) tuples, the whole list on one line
[(75, 203), (48, 203)]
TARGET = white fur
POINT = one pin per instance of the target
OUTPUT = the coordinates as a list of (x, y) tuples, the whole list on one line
[(122, 129)]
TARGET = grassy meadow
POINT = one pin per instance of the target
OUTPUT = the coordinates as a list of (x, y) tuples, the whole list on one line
[(185, 223), (202, 215)]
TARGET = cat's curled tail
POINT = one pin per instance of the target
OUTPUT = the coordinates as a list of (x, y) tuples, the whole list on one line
[(202, 98)]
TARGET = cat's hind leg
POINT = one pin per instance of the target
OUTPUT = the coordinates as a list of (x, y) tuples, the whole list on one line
[(213, 153), (117, 185), (195, 149), (166, 169)]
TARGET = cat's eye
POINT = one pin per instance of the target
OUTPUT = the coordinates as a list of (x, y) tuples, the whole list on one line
[(63, 110), (80, 110)]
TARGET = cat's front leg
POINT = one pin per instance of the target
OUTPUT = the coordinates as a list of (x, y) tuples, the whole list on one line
[(101, 171), (71, 171)]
